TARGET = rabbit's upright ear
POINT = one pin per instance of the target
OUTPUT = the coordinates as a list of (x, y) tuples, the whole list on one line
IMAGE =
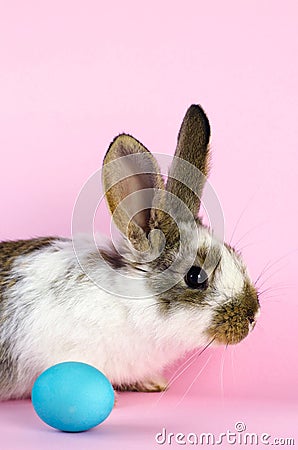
[(186, 181), (131, 179)]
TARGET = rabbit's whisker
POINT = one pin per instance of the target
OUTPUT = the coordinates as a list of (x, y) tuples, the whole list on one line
[(194, 380)]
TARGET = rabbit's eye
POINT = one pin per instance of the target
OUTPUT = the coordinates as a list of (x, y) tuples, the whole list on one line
[(196, 278)]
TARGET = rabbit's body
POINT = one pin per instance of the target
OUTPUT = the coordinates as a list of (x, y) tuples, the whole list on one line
[(54, 313), (128, 314)]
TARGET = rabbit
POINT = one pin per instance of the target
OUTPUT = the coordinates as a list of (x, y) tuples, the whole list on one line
[(133, 310)]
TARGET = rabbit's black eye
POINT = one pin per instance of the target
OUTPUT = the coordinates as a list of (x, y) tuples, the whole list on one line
[(196, 278)]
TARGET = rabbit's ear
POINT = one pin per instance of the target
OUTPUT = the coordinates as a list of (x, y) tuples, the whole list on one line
[(186, 181), (131, 179)]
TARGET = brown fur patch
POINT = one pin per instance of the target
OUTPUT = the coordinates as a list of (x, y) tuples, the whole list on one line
[(141, 387), (113, 258), (8, 370), (9, 250)]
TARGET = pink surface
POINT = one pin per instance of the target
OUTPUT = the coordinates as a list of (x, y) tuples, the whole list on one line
[(75, 74), (138, 418)]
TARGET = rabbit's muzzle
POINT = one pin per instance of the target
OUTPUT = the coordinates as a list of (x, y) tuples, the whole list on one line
[(235, 318)]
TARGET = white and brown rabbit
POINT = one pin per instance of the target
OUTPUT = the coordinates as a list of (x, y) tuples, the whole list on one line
[(172, 288)]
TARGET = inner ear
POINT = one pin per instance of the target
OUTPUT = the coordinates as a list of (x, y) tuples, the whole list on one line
[(137, 192), (131, 177)]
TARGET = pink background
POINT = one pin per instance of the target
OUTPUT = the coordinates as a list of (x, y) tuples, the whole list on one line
[(75, 74)]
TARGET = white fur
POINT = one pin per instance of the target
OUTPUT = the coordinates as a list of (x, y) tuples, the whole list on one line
[(58, 319), (232, 282)]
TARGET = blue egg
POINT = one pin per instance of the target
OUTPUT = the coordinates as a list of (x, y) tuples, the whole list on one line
[(72, 396)]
